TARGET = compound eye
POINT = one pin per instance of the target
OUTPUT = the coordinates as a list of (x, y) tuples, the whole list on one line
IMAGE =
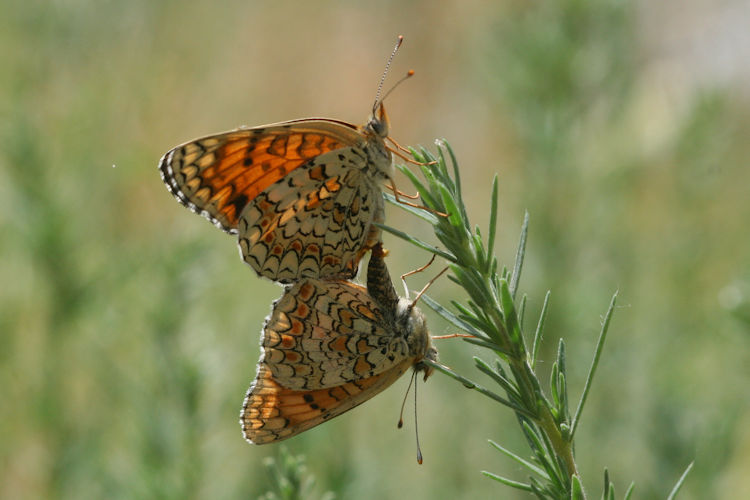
[(379, 122), (377, 126)]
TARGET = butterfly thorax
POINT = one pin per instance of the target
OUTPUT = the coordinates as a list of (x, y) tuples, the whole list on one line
[(407, 322), (375, 132), (411, 325)]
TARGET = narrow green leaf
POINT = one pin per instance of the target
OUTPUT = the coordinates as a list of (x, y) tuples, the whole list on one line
[(454, 214), (473, 385), (461, 308), (476, 287), (538, 332), (554, 412), (422, 156), (680, 481), (605, 489), (611, 492), (576, 489), (424, 192), (560, 381), (441, 167), (503, 382), (454, 162), (418, 243), (629, 492), (553, 384), (504, 273), (499, 368), (480, 324), (457, 179), (493, 271), (511, 320), (561, 355), (507, 482), (538, 490), (493, 219), (432, 181), (488, 345), (522, 310), (563, 391), (468, 283), (478, 311), (452, 242), (525, 463), (537, 446), (481, 256), (594, 364), (450, 317), (415, 156), (520, 253), (478, 319)]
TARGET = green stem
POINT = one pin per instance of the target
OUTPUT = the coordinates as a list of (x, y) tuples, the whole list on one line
[(544, 419), (563, 448)]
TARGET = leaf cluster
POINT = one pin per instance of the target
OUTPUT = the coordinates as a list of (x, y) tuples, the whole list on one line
[(492, 314)]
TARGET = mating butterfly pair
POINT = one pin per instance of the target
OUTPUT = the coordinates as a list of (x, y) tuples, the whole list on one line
[(303, 197)]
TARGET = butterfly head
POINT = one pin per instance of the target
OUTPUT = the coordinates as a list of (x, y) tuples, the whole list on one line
[(378, 123)]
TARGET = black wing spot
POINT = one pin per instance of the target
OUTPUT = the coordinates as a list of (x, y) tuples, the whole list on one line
[(239, 203)]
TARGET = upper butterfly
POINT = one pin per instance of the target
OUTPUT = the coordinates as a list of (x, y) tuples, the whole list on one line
[(302, 195)]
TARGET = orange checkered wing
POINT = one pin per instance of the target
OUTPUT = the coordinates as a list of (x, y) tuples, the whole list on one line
[(301, 195), (324, 351), (272, 412)]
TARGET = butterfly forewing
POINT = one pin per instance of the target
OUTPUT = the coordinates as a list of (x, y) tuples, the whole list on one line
[(303, 195)]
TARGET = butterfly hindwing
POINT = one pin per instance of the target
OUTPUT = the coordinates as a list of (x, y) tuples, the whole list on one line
[(316, 222), (325, 351), (272, 413)]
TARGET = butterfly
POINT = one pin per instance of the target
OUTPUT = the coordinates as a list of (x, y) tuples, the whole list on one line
[(303, 196), (329, 346)]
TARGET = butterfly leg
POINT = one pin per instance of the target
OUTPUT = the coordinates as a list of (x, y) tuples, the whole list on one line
[(398, 152), (452, 336), (415, 271), (396, 194), (428, 285)]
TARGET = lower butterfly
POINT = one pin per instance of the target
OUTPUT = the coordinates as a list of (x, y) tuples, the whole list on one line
[(329, 346), (302, 195)]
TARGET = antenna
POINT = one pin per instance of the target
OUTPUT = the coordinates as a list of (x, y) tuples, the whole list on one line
[(416, 420), (408, 74), (403, 403), (378, 100), (416, 423)]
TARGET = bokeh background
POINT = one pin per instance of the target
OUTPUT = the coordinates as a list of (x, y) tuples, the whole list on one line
[(129, 326)]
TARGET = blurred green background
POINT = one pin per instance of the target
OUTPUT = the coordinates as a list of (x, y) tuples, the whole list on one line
[(130, 327)]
